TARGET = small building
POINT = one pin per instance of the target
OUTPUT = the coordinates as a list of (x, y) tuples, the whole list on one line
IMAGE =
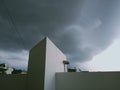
[(46, 72)]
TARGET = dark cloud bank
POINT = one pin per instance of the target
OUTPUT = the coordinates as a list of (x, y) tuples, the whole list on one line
[(80, 28)]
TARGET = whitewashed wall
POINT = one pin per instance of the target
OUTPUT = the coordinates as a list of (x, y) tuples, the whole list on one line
[(45, 60), (88, 81), (54, 63)]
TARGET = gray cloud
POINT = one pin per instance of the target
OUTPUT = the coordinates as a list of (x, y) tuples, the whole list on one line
[(18, 59), (80, 28)]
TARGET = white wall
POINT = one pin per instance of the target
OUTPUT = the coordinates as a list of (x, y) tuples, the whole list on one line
[(88, 81), (54, 63), (45, 60)]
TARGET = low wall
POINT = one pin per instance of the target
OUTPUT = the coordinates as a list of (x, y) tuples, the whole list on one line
[(88, 81), (13, 82)]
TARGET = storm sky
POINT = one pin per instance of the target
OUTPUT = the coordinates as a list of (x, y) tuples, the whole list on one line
[(81, 29)]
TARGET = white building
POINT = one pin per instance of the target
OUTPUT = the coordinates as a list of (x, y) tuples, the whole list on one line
[(46, 72)]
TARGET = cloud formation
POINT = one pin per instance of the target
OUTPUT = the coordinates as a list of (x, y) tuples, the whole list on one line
[(80, 28), (18, 59)]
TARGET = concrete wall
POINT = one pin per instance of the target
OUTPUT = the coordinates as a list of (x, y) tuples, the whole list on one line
[(45, 60), (54, 63), (88, 81), (36, 66), (13, 82)]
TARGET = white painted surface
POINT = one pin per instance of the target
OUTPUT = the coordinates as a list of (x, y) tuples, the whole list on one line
[(88, 81), (9, 70), (44, 61), (54, 63)]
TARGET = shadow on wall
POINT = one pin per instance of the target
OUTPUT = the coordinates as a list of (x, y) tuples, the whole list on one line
[(88, 81), (13, 82), (12, 79)]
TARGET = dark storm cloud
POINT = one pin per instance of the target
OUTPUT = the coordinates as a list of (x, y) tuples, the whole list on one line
[(80, 28), (33, 18)]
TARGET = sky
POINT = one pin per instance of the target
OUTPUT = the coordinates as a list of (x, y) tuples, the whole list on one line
[(81, 29), (108, 60)]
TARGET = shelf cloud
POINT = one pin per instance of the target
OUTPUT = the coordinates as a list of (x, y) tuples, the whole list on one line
[(80, 28)]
